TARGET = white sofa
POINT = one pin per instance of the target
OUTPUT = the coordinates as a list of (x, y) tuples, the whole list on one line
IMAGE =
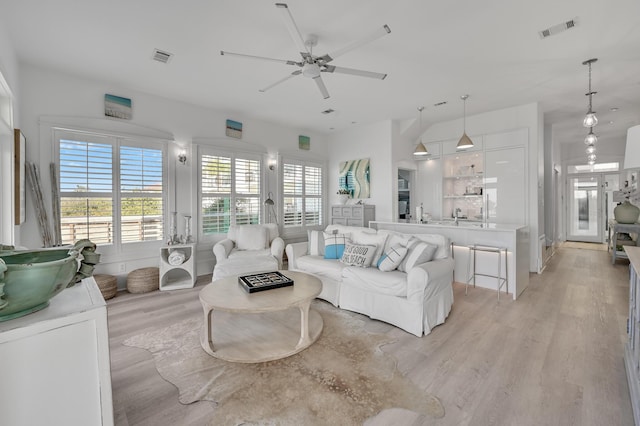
[(415, 301), (248, 249)]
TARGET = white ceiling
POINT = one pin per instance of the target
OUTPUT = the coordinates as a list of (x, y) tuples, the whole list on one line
[(437, 51)]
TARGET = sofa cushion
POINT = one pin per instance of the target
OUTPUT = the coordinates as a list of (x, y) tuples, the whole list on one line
[(252, 237), (359, 255), (418, 252), (249, 254), (321, 267), (392, 258), (393, 283), (316, 243), (334, 245)]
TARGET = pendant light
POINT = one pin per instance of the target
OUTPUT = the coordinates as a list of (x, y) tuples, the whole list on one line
[(590, 119), (591, 138), (464, 142), (421, 150)]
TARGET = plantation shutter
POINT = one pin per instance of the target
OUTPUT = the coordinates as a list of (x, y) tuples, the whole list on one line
[(215, 185), (313, 195), (247, 191), (292, 187), (86, 191), (141, 194)]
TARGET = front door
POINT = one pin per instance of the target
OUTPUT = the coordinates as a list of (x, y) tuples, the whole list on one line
[(584, 209)]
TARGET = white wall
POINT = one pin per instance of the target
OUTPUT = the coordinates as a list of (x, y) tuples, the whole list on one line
[(49, 93), (371, 141)]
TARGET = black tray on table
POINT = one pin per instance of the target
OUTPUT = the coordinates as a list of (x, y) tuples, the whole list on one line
[(264, 281)]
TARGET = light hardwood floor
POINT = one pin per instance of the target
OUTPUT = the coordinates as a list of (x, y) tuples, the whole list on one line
[(553, 357)]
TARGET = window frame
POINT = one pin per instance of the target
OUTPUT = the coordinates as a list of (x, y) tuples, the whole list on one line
[(117, 141), (233, 195)]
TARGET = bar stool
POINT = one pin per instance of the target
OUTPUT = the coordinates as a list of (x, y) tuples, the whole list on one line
[(502, 281)]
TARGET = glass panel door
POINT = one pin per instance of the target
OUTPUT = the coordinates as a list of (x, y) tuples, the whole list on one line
[(584, 209)]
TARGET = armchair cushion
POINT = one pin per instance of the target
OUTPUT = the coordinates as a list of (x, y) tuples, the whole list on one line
[(252, 238)]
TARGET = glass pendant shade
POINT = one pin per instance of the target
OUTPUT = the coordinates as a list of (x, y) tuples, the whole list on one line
[(590, 119), (464, 142), (591, 149), (591, 162), (591, 138), (591, 157)]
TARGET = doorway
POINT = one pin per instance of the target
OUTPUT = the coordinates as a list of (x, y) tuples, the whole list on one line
[(585, 208)]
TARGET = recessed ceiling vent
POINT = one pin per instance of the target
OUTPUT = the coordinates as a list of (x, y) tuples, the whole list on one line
[(161, 56), (440, 104), (328, 111), (557, 29)]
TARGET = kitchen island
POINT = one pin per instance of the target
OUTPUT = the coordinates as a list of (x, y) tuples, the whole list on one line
[(515, 238)]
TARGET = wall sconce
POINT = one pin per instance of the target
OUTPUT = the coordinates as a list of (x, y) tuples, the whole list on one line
[(272, 163), (182, 157)]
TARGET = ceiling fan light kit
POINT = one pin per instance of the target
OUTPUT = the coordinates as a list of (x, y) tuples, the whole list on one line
[(312, 66), (464, 142)]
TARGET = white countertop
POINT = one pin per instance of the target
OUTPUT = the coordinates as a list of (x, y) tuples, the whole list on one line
[(480, 226)]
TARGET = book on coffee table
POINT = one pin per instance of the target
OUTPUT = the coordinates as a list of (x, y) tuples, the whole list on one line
[(264, 281)]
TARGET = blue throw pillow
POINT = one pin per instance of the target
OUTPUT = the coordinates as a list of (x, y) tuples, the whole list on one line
[(334, 245)]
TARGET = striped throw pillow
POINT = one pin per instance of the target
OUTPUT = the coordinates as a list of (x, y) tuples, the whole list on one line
[(316, 243), (418, 252), (392, 258)]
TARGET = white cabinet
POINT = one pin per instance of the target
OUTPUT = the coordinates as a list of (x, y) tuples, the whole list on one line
[(505, 185), (632, 347), (353, 215), (173, 277), (54, 363), (462, 186)]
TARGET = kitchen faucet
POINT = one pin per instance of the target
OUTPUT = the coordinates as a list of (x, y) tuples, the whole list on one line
[(455, 218)]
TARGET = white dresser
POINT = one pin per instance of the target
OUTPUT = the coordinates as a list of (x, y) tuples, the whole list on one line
[(54, 363), (353, 215), (632, 348)]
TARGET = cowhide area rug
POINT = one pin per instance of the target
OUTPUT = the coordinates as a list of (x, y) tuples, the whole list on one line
[(343, 378)]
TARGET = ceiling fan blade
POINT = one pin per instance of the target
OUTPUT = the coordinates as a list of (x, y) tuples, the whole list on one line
[(261, 58), (360, 73), (294, 32), (321, 86), (382, 31), (293, 74)]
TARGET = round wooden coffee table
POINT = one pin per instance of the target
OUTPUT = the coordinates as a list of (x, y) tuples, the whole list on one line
[(261, 326)]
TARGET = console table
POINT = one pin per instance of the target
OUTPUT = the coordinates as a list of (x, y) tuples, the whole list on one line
[(615, 228), (54, 363)]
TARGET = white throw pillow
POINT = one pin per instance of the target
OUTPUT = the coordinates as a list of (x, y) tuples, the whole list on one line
[(334, 245), (371, 239), (252, 238), (358, 255), (418, 252), (392, 258), (316, 243)]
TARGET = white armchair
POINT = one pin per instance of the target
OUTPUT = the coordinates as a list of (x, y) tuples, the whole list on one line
[(248, 249)]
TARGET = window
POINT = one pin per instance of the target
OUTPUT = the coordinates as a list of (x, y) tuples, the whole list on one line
[(101, 175), (596, 168), (302, 194), (230, 185)]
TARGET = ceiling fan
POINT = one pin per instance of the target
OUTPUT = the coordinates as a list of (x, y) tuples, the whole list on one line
[(311, 66)]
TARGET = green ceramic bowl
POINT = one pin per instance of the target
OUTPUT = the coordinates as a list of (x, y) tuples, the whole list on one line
[(28, 279)]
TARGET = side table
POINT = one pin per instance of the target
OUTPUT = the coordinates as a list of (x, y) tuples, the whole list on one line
[(614, 229), (173, 277)]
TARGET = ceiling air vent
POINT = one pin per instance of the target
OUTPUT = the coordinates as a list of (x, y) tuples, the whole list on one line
[(328, 111), (162, 56), (440, 104), (556, 29)]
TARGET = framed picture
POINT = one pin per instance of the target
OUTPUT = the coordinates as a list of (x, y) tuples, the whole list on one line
[(355, 177), (304, 142), (234, 129), (19, 180), (118, 107)]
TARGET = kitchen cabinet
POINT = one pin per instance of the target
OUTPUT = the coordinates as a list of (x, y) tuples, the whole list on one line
[(463, 186), (504, 185)]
